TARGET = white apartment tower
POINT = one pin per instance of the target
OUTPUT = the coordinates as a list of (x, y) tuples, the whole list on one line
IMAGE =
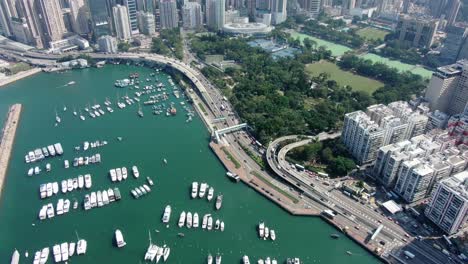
[(146, 22), (79, 16), (192, 15), (168, 14), (448, 206), (413, 181), (278, 11), (121, 22), (53, 27)]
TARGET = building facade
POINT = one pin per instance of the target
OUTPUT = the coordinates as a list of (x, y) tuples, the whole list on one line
[(416, 31), (107, 44), (146, 22), (132, 15), (168, 14), (53, 27), (278, 11), (192, 16), (79, 17), (121, 22)]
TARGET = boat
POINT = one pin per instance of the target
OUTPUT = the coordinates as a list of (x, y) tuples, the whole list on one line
[(15, 257), (233, 176), (150, 182), (75, 183), (43, 212), (85, 145), (194, 190), (66, 206), (117, 194), (182, 219), (196, 220), (119, 240), (93, 199), (273, 261), (189, 220), (166, 253), (87, 202), (210, 259), (50, 211), (66, 164), (260, 261), (30, 171), (57, 254), (105, 197), (267, 233), (165, 161), (349, 252), (261, 230), (88, 181), (124, 173), (110, 192), (44, 255), (55, 187), (218, 259), (134, 194), (147, 188), (210, 223), (217, 224), (222, 226), (335, 236), (71, 249), (135, 172), (64, 251), (81, 247), (64, 186), (219, 202), (58, 148), (37, 257), (140, 112), (272, 234), (205, 221), (51, 150), (245, 259), (268, 260), (210, 194), (99, 199), (37, 170), (142, 189), (202, 191), (80, 181), (57, 118), (48, 167), (159, 254), (70, 185), (151, 252), (167, 214)]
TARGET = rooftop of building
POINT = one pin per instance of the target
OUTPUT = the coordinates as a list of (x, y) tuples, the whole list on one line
[(453, 69), (458, 183)]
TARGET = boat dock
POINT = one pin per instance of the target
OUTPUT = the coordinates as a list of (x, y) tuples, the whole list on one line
[(7, 140)]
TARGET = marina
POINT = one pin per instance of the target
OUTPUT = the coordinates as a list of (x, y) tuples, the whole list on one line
[(146, 142)]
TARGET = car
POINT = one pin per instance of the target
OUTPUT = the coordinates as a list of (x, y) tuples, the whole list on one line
[(406, 235), (380, 221), (382, 242), (357, 227)]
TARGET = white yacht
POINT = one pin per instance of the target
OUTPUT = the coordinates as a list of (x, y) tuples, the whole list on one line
[(60, 207), (93, 199), (135, 172), (182, 219), (210, 223), (124, 173), (30, 171), (50, 211), (150, 182), (267, 233), (218, 259), (272, 235), (88, 181), (66, 163), (49, 189), (166, 253), (222, 226), (196, 220), (209, 260), (99, 198), (64, 186), (37, 170), (210, 194), (48, 167), (194, 190), (87, 202), (273, 261), (37, 257), (202, 191), (81, 247), (105, 197), (268, 260), (15, 257), (80, 181), (118, 171), (57, 254), (43, 212), (261, 230), (260, 261), (217, 224), (219, 202), (245, 259), (113, 175), (189, 220), (70, 185), (205, 221), (44, 255), (119, 240), (75, 183), (55, 187), (167, 214), (66, 206), (110, 192), (64, 251), (151, 252), (159, 254)]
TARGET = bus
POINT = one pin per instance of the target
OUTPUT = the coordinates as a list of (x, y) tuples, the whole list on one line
[(328, 214), (409, 254), (299, 167), (224, 98)]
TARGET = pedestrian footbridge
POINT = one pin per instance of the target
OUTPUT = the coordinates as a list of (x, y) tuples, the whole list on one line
[(220, 132)]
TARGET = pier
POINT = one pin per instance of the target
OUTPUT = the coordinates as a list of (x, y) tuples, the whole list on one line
[(7, 140), (18, 76)]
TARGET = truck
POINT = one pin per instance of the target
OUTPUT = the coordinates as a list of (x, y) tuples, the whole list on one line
[(408, 254)]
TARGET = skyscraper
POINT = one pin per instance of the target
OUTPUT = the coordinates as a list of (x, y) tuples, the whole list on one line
[(311, 6), (146, 22), (79, 16), (416, 31), (347, 5), (210, 14), (52, 20), (192, 15), (453, 43), (5, 24), (168, 14), (452, 13), (121, 22), (100, 17), (132, 9), (29, 12), (278, 11), (220, 9)]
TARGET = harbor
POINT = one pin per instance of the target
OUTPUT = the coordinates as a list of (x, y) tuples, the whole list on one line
[(172, 152)]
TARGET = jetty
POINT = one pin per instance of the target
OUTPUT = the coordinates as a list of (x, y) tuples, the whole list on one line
[(7, 140), (19, 76)]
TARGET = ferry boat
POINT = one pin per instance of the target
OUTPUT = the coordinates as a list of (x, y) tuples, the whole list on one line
[(57, 253), (272, 234), (245, 259), (261, 229), (210, 223), (81, 247), (119, 240), (196, 220), (219, 202), (167, 214), (166, 253), (194, 189), (182, 219), (135, 172), (210, 194), (202, 191), (189, 220)]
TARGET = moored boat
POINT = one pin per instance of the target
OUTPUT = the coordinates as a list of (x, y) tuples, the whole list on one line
[(210, 194), (81, 247), (202, 191), (135, 172), (196, 220), (57, 254), (210, 223), (15, 257), (182, 219), (119, 240), (167, 214), (219, 202)]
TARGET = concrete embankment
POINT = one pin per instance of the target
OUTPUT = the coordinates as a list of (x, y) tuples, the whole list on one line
[(18, 76), (7, 140)]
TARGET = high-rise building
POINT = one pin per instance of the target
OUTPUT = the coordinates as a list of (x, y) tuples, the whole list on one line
[(121, 22), (416, 31), (220, 16), (5, 24), (107, 44), (53, 27), (456, 36), (168, 14), (101, 13), (448, 206), (28, 11), (278, 11), (347, 5), (20, 30), (448, 89), (132, 15), (79, 16), (210, 14), (311, 6), (263, 4), (192, 16), (437, 7), (413, 181), (252, 8), (463, 54), (452, 13), (146, 22)]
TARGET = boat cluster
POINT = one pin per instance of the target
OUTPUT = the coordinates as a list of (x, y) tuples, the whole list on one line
[(120, 174), (156, 253), (47, 211), (217, 260), (268, 260), (87, 145), (48, 189), (64, 251), (189, 220), (96, 110), (36, 170), (44, 152), (84, 161), (140, 191), (79, 182), (101, 198), (200, 190), (264, 232)]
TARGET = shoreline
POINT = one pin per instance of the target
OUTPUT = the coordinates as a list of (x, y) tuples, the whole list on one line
[(18, 76), (7, 140)]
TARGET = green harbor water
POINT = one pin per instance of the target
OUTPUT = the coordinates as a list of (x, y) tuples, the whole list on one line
[(146, 141)]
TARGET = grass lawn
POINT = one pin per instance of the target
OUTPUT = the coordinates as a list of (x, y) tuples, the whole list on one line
[(372, 33), (358, 83)]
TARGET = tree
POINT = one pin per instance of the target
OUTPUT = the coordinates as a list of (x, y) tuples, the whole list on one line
[(157, 46), (123, 46), (341, 166)]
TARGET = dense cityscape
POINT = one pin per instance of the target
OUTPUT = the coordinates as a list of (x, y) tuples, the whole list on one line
[(352, 112)]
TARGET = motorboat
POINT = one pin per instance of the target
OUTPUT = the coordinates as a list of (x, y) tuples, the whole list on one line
[(210, 223), (167, 214), (159, 254), (15, 257), (189, 220), (119, 240), (272, 234), (222, 226), (261, 230), (202, 191), (267, 233), (71, 249), (196, 220), (217, 224), (245, 259), (182, 219), (135, 172), (166, 253), (209, 259), (64, 251), (219, 202), (81, 247), (218, 259), (194, 190), (210, 194), (205, 221), (57, 254)]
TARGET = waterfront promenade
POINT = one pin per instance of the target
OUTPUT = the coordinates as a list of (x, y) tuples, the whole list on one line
[(7, 140), (18, 76)]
